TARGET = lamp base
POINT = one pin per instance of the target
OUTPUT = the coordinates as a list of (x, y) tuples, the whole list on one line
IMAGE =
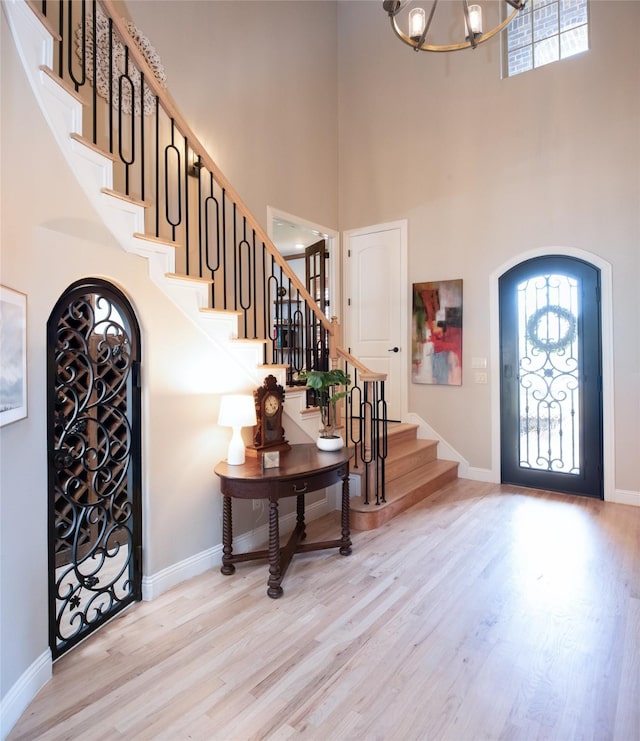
[(235, 454)]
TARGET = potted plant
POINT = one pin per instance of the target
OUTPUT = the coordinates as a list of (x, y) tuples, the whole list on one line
[(326, 384)]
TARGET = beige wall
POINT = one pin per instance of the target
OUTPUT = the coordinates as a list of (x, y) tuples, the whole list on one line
[(257, 82), (485, 169)]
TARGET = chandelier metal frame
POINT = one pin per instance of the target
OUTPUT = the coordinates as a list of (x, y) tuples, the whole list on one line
[(393, 7)]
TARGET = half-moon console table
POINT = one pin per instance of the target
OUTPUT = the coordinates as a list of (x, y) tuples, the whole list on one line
[(302, 469)]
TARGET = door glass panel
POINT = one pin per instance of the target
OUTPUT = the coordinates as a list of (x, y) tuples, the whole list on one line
[(548, 374)]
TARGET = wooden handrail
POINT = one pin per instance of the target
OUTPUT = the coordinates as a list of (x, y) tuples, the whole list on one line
[(365, 373)]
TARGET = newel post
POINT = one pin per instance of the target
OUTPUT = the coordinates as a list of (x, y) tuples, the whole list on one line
[(334, 343)]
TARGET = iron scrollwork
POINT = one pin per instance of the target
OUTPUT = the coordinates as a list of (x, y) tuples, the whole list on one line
[(549, 375), (94, 543)]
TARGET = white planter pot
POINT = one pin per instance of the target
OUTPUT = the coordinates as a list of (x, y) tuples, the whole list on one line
[(329, 443)]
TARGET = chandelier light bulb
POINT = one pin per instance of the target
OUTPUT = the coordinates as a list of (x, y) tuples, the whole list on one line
[(417, 22), (475, 20)]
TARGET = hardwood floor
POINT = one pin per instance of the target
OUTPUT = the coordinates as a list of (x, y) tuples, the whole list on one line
[(484, 612)]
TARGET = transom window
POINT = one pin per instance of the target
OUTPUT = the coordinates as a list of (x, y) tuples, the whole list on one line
[(545, 31)]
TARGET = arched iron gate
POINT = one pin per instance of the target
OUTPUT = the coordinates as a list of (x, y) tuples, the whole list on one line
[(93, 396)]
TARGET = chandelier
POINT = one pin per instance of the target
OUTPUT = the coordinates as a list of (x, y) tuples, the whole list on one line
[(470, 22)]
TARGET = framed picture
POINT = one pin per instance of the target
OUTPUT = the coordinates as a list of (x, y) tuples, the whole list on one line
[(271, 459), (436, 333), (13, 356)]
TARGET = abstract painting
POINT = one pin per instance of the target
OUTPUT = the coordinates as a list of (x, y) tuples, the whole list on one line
[(437, 333), (13, 356)]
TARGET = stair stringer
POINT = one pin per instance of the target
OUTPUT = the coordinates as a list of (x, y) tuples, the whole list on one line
[(63, 111), (445, 450)]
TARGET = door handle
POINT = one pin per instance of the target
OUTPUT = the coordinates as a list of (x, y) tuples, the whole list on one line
[(393, 349)]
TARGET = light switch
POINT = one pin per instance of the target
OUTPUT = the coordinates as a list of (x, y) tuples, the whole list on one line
[(478, 362)]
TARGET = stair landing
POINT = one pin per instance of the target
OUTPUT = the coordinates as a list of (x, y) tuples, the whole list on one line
[(413, 472)]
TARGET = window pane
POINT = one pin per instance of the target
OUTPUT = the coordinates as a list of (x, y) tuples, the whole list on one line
[(546, 31), (573, 42), (546, 51), (545, 22), (572, 13), (548, 373), (519, 32), (520, 60)]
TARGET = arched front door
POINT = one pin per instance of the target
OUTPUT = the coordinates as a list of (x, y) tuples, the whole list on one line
[(93, 393), (551, 379)]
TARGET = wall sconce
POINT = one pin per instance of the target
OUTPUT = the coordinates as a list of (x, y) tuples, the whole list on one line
[(237, 411), (195, 165)]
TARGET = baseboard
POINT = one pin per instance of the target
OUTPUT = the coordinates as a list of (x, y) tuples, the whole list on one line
[(155, 585), (622, 496), (619, 496), (480, 474), (15, 702), (445, 450)]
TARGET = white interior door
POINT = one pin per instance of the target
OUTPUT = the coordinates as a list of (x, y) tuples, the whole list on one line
[(376, 305)]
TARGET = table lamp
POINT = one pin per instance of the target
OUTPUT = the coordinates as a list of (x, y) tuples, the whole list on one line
[(236, 411)]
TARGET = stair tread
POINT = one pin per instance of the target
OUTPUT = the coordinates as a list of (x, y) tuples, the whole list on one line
[(189, 278), (93, 147), (124, 197), (398, 428), (409, 447), (207, 310), (418, 476), (410, 482), (402, 453), (156, 240)]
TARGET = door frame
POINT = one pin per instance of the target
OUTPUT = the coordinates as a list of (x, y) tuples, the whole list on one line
[(405, 359), (606, 310), (333, 248)]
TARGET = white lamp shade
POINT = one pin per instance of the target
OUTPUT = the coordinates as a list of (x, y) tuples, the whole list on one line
[(236, 411)]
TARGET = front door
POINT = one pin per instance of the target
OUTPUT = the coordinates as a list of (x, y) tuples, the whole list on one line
[(93, 396), (551, 381)]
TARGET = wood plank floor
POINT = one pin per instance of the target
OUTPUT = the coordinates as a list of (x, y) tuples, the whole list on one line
[(483, 612)]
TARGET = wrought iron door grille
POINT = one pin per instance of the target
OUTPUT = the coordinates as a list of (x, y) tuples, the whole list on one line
[(549, 374), (95, 533)]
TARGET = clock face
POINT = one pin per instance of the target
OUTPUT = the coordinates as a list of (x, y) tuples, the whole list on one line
[(271, 405)]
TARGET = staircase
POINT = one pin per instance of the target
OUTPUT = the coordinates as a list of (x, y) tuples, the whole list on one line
[(412, 472), (201, 243)]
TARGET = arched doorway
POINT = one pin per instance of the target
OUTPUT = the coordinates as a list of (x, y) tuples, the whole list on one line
[(93, 430), (551, 375)]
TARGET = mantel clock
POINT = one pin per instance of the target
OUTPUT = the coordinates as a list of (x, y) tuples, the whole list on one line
[(268, 433)]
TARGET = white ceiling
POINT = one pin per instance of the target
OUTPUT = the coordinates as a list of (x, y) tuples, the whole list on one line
[(286, 237)]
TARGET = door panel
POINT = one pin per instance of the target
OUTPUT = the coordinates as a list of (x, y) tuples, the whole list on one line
[(94, 461), (375, 306), (315, 264), (551, 384)]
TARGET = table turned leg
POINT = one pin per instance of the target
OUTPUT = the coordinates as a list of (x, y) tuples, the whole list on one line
[(227, 537), (275, 577), (300, 517), (345, 548)]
